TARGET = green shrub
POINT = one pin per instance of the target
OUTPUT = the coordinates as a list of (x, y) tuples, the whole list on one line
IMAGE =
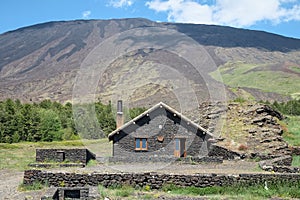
[(34, 186), (102, 191), (239, 100), (92, 163), (147, 188), (124, 191)]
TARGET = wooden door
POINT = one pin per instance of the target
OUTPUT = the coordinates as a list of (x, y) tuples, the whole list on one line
[(179, 147)]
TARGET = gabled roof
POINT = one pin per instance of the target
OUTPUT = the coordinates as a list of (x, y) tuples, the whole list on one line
[(168, 108)]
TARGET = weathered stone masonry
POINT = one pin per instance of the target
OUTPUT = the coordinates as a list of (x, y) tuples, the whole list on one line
[(124, 143), (61, 155), (155, 181)]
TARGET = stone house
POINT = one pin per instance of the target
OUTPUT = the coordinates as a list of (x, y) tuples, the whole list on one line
[(160, 132)]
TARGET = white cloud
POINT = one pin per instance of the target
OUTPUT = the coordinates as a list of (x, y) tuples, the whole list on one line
[(120, 3), (241, 13), (183, 11), (86, 14)]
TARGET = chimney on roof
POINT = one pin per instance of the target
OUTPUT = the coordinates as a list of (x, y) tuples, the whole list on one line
[(120, 119)]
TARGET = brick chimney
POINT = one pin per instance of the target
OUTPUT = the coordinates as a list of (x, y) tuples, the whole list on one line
[(120, 118)]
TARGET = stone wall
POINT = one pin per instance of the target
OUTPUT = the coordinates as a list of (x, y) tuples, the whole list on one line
[(226, 154), (280, 164), (154, 180), (61, 155), (163, 127)]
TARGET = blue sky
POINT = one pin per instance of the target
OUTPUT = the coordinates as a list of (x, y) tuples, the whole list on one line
[(276, 16)]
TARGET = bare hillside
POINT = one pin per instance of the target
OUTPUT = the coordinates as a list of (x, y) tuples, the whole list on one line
[(43, 61)]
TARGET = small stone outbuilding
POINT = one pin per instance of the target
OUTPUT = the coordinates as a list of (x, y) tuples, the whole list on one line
[(64, 155)]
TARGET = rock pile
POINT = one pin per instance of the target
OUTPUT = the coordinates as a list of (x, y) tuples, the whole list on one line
[(252, 129)]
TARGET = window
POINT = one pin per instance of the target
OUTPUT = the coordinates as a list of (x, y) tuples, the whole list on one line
[(141, 144)]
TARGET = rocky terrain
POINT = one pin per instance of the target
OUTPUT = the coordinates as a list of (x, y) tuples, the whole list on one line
[(250, 129), (44, 60)]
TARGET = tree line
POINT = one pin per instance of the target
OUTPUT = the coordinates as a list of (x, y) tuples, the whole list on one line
[(53, 121)]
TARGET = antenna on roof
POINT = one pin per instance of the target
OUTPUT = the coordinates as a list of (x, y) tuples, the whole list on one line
[(120, 118)]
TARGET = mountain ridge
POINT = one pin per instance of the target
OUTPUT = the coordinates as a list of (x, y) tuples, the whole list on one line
[(42, 61)]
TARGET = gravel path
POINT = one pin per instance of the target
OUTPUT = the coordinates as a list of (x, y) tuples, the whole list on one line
[(227, 167), (9, 183)]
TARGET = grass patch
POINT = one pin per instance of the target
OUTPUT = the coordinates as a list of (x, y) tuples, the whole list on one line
[(129, 193), (124, 191), (246, 75), (285, 190), (235, 191), (92, 163), (17, 156), (239, 100), (56, 144), (295, 69), (8, 146), (292, 130), (296, 96), (116, 191), (296, 161), (35, 186)]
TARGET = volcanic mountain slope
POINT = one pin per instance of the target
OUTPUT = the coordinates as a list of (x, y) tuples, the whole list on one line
[(43, 61)]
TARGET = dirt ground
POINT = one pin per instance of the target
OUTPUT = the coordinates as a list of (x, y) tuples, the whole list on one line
[(10, 180), (9, 183)]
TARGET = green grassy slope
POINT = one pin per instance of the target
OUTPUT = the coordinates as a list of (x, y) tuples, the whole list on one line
[(292, 130), (239, 74)]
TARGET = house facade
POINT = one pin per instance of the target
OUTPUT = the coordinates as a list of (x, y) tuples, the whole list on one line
[(159, 132)]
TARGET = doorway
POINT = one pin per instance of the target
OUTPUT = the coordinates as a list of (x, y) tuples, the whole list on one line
[(179, 150)]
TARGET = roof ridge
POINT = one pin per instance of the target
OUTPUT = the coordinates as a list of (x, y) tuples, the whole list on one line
[(132, 121)]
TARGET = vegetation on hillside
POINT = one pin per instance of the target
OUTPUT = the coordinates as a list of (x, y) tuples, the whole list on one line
[(51, 121), (291, 127), (290, 124), (46, 121), (288, 108), (241, 75)]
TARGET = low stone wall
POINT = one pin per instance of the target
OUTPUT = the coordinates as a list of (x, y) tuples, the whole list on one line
[(280, 164), (226, 154), (283, 161), (154, 180), (285, 169), (61, 155)]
